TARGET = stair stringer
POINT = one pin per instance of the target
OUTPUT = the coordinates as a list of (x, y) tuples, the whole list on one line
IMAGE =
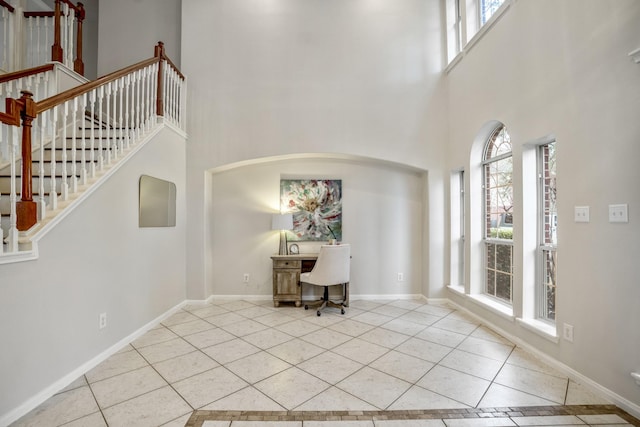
[(64, 208)]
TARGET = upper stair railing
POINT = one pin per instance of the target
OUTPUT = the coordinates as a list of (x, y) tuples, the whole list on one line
[(80, 133), (29, 39)]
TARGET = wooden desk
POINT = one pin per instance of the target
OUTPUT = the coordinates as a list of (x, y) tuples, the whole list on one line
[(286, 276)]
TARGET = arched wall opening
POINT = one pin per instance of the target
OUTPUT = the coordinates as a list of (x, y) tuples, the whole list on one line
[(383, 209)]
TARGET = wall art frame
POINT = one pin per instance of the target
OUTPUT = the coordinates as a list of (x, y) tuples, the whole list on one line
[(316, 205)]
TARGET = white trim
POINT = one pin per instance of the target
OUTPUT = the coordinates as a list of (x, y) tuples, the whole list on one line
[(20, 256), (627, 405), (214, 298), (479, 35), (457, 289), (493, 306), (544, 140), (63, 382), (65, 208), (635, 56), (353, 297), (545, 330), (42, 396)]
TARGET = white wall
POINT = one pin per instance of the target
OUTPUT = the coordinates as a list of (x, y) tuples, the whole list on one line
[(128, 30), (96, 260), (382, 220), (289, 76), (561, 68)]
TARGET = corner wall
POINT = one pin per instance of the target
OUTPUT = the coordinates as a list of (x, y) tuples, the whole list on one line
[(562, 68)]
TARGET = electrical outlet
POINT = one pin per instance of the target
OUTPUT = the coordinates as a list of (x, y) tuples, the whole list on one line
[(245, 278), (102, 320), (567, 332), (619, 213), (581, 214), (400, 277)]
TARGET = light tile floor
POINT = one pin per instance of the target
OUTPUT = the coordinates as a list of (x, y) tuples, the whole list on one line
[(249, 356)]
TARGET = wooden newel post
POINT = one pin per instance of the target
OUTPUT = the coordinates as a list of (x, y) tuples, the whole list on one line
[(78, 64), (26, 208), (159, 53), (56, 48)]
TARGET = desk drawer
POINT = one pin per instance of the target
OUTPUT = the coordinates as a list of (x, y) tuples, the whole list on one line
[(285, 263)]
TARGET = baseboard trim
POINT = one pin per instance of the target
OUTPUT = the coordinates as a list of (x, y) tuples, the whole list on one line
[(616, 399), (63, 382), (57, 386)]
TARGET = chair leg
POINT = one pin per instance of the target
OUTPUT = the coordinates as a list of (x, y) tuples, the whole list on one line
[(326, 302)]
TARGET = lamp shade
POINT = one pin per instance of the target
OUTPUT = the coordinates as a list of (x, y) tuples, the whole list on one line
[(282, 221)]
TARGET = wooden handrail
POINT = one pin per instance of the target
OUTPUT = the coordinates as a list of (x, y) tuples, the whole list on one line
[(39, 14), (73, 6), (25, 110), (7, 6), (58, 99), (25, 73), (173, 66)]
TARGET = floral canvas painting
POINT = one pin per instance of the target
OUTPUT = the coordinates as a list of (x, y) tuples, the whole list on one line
[(316, 205)]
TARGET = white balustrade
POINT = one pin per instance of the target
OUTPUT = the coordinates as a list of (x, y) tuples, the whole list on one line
[(7, 31), (107, 121)]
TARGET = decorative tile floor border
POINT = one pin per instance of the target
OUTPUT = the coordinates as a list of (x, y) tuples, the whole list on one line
[(199, 417)]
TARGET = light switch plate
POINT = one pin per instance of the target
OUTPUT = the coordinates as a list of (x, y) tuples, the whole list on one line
[(581, 214), (619, 213)]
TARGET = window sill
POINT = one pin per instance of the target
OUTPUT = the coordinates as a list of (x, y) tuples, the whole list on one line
[(493, 306), (543, 329), (457, 289)]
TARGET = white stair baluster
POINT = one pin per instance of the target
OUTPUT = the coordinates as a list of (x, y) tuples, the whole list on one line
[(112, 119), (154, 94), (83, 139), (38, 53), (126, 125), (64, 184), (42, 203), (5, 47), (92, 138), (145, 99), (132, 112), (151, 103), (168, 101), (12, 238), (47, 31), (173, 97), (120, 122), (53, 193), (99, 122), (74, 146), (105, 123), (139, 105), (70, 47)]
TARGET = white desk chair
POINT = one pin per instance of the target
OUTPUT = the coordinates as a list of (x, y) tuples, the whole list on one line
[(332, 268)]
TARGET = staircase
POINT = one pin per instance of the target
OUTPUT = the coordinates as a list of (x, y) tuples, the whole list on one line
[(55, 160), (75, 140)]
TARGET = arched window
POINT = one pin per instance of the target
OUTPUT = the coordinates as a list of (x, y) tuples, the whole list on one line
[(497, 164)]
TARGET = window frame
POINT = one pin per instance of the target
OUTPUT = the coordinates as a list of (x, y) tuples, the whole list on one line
[(482, 21), (487, 240), (457, 261), (541, 308)]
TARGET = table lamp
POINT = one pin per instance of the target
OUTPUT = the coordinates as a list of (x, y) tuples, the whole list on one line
[(282, 222)]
